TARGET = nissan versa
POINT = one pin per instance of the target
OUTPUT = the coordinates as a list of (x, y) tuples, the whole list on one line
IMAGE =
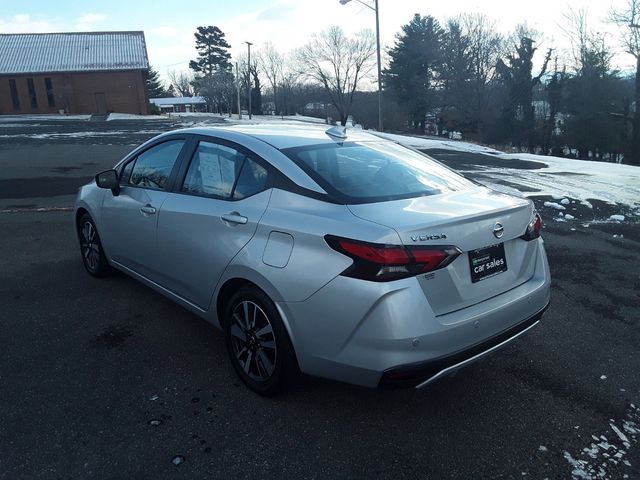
[(335, 253)]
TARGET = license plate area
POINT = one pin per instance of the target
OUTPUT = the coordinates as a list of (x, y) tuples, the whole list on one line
[(487, 262)]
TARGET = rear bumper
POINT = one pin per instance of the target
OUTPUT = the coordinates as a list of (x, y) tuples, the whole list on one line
[(364, 332), (422, 374)]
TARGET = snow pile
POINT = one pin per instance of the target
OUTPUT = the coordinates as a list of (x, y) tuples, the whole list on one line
[(554, 205), (569, 217), (603, 455)]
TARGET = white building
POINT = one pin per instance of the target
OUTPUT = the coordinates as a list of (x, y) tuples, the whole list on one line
[(180, 104)]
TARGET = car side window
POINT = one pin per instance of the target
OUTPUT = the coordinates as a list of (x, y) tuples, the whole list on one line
[(152, 168), (252, 179), (216, 169)]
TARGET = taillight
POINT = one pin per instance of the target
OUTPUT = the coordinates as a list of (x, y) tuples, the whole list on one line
[(381, 263), (534, 228)]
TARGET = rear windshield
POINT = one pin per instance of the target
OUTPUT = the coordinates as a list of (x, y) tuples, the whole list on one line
[(373, 172)]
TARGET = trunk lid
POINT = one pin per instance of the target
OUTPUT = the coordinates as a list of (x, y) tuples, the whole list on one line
[(465, 219)]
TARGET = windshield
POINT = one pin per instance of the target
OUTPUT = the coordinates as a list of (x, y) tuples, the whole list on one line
[(376, 171)]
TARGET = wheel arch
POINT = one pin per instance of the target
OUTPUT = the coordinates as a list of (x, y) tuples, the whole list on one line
[(80, 211), (241, 276)]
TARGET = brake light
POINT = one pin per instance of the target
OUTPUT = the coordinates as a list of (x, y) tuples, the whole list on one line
[(381, 263), (534, 228)]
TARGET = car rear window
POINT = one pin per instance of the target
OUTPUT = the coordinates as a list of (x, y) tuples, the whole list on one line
[(371, 171)]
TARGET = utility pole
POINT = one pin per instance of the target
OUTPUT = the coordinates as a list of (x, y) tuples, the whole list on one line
[(377, 12), (238, 92), (249, 75), (380, 126)]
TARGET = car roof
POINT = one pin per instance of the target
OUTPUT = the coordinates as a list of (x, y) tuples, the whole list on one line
[(289, 135)]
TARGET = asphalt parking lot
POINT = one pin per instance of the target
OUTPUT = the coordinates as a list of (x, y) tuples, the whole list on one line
[(108, 379)]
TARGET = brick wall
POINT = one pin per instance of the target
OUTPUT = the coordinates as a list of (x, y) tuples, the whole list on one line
[(124, 92)]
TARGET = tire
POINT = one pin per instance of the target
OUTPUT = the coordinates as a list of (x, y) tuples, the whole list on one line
[(93, 257), (258, 343)]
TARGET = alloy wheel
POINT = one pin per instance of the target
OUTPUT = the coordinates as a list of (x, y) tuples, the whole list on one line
[(89, 245), (253, 341)]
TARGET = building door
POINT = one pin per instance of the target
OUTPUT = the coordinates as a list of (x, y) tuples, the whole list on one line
[(101, 103)]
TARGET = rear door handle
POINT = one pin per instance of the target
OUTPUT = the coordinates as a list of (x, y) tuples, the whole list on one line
[(235, 217), (148, 210)]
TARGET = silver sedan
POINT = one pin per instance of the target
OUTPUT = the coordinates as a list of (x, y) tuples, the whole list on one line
[(329, 252)]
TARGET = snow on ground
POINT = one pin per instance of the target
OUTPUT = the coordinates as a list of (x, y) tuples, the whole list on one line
[(608, 455), (40, 118), (262, 119), (559, 177), (579, 179), (87, 134), (193, 120), (436, 143)]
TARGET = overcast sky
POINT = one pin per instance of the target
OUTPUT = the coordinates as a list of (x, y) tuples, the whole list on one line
[(169, 26)]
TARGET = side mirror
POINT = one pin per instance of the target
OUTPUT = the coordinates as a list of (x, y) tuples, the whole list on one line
[(108, 179)]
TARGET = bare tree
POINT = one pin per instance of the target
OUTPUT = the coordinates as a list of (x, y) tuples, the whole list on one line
[(271, 63), (628, 18), (249, 77), (290, 82), (182, 83), (338, 63), (576, 30), (485, 48), (218, 90)]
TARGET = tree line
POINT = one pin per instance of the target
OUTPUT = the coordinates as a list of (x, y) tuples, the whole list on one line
[(459, 77)]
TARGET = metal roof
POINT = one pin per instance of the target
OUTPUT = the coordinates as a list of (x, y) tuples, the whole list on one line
[(72, 52)]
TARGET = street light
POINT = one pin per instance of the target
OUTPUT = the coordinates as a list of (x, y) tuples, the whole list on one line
[(249, 75), (376, 10)]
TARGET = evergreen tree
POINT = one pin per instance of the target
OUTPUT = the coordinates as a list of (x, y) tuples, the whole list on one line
[(592, 95), (412, 73), (155, 87), (456, 76), (554, 90), (213, 54), (516, 74)]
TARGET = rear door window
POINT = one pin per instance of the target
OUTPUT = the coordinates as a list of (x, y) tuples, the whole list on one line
[(223, 172), (252, 179)]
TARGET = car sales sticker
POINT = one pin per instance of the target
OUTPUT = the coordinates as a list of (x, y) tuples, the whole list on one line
[(487, 262)]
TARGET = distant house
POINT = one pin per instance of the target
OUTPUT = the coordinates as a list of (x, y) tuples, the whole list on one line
[(180, 104), (268, 108), (92, 72), (316, 107)]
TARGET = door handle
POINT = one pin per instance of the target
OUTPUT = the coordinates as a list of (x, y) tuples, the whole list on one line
[(235, 217), (148, 210)]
